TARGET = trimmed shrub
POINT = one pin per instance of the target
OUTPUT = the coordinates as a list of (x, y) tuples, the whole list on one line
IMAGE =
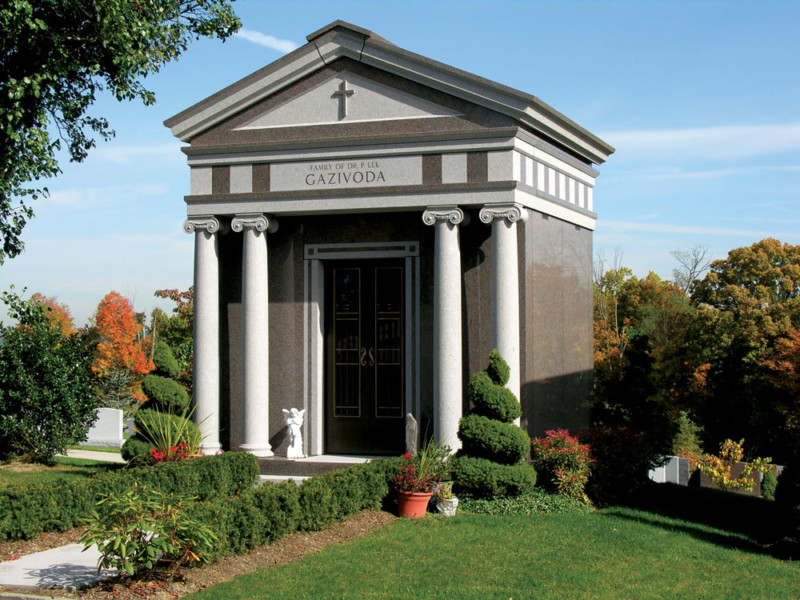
[(165, 362), (493, 447), (769, 484), (480, 477), (271, 511), (136, 450), (164, 394), (498, 369), (26, 511), (486, 438), (491, 400)]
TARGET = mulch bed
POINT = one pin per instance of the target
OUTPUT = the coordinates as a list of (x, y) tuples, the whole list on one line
[(289, 548)]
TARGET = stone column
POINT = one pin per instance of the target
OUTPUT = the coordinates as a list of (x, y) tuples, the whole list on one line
[(505, 284), (447, 350), (206, 329), (255, 333)]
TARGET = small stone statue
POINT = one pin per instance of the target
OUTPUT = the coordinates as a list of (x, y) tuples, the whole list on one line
[(294, 421)]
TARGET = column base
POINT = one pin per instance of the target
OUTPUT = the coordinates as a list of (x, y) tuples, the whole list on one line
[(259, 451), (210, 450)]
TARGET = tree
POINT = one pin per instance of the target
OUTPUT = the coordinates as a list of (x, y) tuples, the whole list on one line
[(56, 56), (752, 299), (58, 314), (47, 398), (120, 347), (177, 331)]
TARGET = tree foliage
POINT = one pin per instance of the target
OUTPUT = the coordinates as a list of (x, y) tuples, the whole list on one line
[(56, 56), (58, 314), (47, 397), (726, 350)]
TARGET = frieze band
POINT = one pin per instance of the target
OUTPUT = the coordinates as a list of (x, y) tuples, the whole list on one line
[(449, 213)]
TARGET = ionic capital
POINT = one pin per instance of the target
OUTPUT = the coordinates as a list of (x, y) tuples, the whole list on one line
[(511, 212), (257, 222), (453, 214), (204, 223)]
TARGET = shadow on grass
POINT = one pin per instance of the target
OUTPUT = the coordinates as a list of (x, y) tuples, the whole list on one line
[(744, 522)]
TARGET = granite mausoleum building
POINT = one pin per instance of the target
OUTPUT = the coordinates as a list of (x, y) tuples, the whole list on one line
[(370, 223)]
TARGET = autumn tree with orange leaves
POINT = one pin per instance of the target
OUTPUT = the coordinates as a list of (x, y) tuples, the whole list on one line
[(56, 312), (120, 350)]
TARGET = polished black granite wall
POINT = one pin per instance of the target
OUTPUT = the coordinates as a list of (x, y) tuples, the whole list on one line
[(557, 314)]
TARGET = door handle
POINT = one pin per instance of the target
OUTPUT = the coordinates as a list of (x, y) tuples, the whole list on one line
[(362, 359), (372, 357)]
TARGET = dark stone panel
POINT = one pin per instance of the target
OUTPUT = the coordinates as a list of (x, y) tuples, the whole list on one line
[(558, 325), (432, 169), (477, 167), (221, 179), (230, 323), (476, 263), (285, 327), (474, 117), (260, 178)]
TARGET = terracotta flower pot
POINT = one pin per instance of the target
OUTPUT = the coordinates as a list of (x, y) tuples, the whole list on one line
[(412, 504)]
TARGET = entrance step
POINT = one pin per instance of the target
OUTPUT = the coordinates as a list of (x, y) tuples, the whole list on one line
[(286, 468)]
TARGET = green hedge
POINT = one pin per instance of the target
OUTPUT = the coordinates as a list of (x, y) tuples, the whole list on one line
[(28, 510), (269, 512)]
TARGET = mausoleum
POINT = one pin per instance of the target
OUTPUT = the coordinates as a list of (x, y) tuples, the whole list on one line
[(369, 223)]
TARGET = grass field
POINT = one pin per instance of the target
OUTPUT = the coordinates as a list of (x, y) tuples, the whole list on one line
[(65, 468), (621, 552)]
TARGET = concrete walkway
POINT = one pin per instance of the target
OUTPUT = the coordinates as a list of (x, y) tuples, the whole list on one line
[(67, 567), (113, 457)]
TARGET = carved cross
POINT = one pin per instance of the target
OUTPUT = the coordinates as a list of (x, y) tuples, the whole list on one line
[(343, 93)]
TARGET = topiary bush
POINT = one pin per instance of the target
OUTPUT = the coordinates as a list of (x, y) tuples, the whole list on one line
[(165, 362), (165, 395), (491, 460), (769, 484)]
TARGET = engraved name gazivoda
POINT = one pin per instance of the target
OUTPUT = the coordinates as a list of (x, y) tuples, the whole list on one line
[(364, 171)]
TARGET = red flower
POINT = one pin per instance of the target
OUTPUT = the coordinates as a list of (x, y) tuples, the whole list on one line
[(407, 455)]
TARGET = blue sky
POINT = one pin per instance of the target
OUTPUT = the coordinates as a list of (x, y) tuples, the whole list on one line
[(700, 99)]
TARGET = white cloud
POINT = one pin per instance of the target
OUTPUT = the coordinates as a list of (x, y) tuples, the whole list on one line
[(678, 173), (269, 41), (723, 143)]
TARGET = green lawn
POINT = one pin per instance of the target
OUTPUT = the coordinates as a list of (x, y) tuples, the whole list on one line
[(620, 552), (65, 468)]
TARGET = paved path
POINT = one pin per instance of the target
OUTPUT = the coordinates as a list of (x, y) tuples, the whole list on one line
[(67, 567), (114, 457)]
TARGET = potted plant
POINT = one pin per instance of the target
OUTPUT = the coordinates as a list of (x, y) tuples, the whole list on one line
[(419, 474), (446, 502)]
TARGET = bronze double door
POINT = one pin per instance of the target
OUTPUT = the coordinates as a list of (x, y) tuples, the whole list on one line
[(365, 357)]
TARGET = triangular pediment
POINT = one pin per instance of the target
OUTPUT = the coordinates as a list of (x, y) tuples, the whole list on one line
[(371, 101), (348, 98)]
